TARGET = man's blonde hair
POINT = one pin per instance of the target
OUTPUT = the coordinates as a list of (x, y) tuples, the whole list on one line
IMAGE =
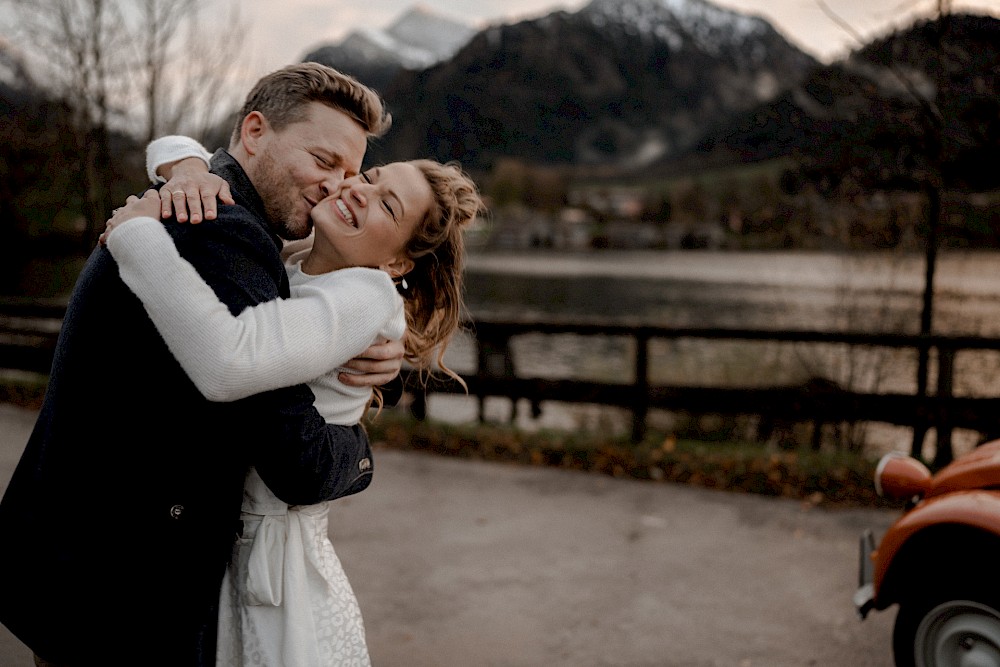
[(282, 96)]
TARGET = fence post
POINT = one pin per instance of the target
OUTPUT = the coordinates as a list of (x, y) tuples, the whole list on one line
[(640, 407), (922, 423), (418, 406), (945, 381), (495, 362)]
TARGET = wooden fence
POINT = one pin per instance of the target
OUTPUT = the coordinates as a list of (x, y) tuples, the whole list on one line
[(28, 332), (816, 401)]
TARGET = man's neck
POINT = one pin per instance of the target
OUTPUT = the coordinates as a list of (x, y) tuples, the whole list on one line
[(242, 158)]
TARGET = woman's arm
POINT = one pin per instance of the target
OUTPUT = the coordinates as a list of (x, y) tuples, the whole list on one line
[(190, 191), (163, 153), (274, 344)]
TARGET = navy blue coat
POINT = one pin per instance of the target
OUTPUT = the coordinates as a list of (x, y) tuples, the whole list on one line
[(120, 517)]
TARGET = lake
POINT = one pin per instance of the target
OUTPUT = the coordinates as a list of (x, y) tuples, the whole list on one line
[(742, 289), (726, 289), (870, 292)]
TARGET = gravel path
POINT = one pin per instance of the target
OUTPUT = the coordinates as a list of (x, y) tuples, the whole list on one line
[(463, 563)]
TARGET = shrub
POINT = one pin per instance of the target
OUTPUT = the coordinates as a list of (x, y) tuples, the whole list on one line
[(840, 478)]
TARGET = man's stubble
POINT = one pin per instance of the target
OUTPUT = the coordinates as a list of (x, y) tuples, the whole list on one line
[(283, 201)]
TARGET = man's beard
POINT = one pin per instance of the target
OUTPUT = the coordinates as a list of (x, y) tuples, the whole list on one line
[(280, 200)]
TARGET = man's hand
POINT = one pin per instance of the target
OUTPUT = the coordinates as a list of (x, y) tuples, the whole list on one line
[(191, 191), (376, 366)]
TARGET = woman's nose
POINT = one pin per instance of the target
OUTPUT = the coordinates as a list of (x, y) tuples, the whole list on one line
[(357, 193)]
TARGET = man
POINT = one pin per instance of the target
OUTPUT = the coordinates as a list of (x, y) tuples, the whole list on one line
[(120, 517)]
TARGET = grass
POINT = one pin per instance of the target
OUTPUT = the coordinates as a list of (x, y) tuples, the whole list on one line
[(23, 389), (815, 477)]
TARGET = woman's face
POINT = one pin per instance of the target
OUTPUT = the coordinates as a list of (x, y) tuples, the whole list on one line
[(369, 220)]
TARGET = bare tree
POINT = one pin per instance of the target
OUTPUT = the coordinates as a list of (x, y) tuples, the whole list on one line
[(122, 65), (187, 73), (82, 45), (928, 173), (163, 25)]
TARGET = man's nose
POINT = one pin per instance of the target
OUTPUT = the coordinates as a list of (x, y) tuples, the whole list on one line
[(332, 182)]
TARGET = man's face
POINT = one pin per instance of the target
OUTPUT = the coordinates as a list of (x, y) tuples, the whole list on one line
[(303, 163)]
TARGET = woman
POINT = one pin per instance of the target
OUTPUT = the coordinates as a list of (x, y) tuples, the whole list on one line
[(393, 230)]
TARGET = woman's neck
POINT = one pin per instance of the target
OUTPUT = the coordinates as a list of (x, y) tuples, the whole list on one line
[(314, 264)]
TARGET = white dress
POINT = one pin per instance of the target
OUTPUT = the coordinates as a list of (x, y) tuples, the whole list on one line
[(285, 600)]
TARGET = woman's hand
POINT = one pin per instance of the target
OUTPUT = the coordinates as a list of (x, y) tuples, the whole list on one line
[(191, 191), (147, 207), (377, 365)]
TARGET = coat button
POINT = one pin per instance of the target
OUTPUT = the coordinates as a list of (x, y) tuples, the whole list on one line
[(176, 511)]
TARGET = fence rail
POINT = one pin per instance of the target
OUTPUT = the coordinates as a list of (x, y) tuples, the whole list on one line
[(817, 401), (28, 333)]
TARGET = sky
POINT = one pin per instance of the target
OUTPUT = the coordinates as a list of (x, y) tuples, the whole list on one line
[(278, 37)]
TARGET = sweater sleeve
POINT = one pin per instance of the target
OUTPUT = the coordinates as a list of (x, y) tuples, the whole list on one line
[(172, 148), (274, 344)]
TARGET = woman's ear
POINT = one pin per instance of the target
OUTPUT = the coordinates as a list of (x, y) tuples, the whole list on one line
[(398, 267)]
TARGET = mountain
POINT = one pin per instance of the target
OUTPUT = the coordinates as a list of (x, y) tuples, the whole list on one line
[(925, 97), (621, 82), (416, 40)]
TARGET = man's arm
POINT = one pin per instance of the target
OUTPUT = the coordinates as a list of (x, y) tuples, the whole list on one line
[(378, 365)]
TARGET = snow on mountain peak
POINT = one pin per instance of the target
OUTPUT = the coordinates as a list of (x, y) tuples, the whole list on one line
[(676, 21), (417, 39), (439, 36)]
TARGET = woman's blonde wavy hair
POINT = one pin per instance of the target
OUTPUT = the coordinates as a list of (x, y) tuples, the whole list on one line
[(434, 296)]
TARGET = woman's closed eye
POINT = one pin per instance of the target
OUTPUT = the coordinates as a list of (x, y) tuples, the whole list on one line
[(385, 203)]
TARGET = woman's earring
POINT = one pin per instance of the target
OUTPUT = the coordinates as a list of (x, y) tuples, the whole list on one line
[(401, 285)]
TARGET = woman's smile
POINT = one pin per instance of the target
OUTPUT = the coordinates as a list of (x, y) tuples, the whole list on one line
[(346, 213)]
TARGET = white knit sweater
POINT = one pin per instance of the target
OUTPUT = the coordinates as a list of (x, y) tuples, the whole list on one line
[(330, 319), (172, 148)]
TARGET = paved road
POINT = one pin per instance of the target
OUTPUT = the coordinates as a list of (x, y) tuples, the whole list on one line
[(468, 564)]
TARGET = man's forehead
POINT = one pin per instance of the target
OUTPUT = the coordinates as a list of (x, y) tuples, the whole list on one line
[(331, 130)]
